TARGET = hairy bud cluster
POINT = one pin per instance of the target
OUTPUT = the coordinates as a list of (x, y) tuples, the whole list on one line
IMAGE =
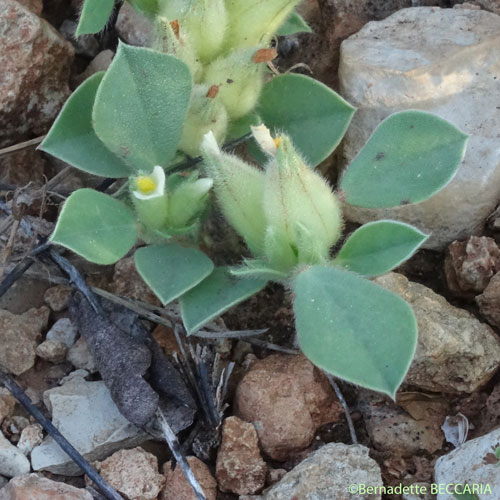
[(218, 40), (287, 214)]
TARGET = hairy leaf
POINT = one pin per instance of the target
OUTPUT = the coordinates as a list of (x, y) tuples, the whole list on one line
[(171, 270), (353, 328), (141, 105), (313, 115), (378, 247), (95, 14), (72, 137), (410, 156), (95, 226), (294, 24), (214, 296)]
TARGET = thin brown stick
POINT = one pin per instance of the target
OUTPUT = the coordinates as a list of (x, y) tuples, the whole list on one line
[(22, 145)]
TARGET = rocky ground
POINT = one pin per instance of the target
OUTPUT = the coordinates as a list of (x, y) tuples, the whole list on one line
[(279, 432)]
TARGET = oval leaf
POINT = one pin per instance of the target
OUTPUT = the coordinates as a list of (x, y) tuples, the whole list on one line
[(410, 156), (171, 270), (214, 296), (95, 14), (294, 24), (95, 226), (313, 115), (73, 140), (378, 247), (353, 328), (140, 106)]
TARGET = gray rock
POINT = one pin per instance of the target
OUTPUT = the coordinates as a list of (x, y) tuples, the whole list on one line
[(473, 463), (86, 415), (12, 461), (63, 330), (438, 60), (455, 352), (3, 481), (133, 27), (327, 474), (80, 356)]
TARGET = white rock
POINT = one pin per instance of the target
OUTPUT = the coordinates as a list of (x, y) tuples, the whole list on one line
[(455, 351), (63, 330), (327, 474), (12, 461), (469, 464), (31, 436), (86, 415), (444, 61)]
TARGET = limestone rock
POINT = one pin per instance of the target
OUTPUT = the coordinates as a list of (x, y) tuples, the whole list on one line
[(240, 468), (31, 436), (327, 474), (472, 463), (37, 487), (63, 330), (19, 335), (489, 301), (133, 473), (287, 399), (85, 405), (393, 430), (57, 297), (35, 62), (52, 350), (442, 61), (80, 356), (12, 461), (455, 351), (7, 403), (470, 264), (178, 488)]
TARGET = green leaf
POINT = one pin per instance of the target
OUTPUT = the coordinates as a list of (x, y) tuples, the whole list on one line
[(294, 24), (95, 226), (378, 247), (313, 115), (410, 156), (353, 328), (214, 296), (73, 140), (140, 106), (95, 14), (171, 270)]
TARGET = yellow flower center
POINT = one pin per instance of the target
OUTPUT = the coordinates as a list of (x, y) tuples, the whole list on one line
[(277, 141), (145, 184)]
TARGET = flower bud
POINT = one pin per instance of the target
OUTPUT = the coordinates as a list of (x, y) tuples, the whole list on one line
[(172, 38), (239, 188), (150, 198), (255, 22), (240, 81), (174, 9), (205, 114), (206, 24), (300, 206), (187, 201)]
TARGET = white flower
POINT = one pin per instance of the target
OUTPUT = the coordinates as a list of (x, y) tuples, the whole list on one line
[(265, 140), (150, 186)]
